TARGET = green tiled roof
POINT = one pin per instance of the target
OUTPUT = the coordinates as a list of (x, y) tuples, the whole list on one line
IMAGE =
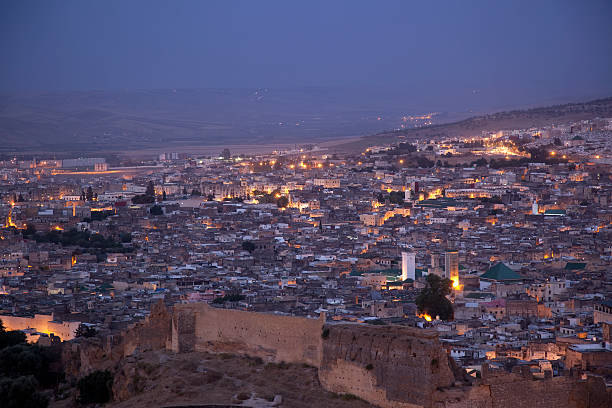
[(554, 212), (500, 272), (574, 266)]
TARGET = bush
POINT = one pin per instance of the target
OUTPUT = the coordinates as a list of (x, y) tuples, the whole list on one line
[(325, 333), (24, 360), (21, 392), (85, 331), (156, 210), (95, 387), (11, 338)]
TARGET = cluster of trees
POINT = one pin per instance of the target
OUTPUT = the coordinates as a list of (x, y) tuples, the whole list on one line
[(85, 331), (248, 246), (148, 197), (83, 239), (424, 162), (99, 215), (88, 195), (87, 242), (433, 301), (274, 197), (394, 197), (405, 147), (230, 297), (95, 388), (156, 210), (25, 371)]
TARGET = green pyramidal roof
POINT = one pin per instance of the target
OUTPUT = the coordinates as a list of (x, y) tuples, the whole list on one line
[(573, 266), (500, 272)]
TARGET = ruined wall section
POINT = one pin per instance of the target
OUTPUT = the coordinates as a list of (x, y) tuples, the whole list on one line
[(83, 355), (390, 366), (200, 327), (151, 334), (521, 390)]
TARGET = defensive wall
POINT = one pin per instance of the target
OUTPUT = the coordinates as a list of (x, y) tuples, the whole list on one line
[(389, 366), (199, 327)]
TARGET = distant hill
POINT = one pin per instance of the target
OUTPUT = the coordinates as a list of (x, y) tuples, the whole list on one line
[(515, 119), (138, 119)]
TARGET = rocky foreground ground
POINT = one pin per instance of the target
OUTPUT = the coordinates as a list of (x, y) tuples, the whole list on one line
[(162, 379)]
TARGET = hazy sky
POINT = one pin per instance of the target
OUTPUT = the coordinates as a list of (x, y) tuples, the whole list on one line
[(517, 49)]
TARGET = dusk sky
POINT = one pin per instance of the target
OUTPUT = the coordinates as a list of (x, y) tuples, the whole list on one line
[(519, 50)]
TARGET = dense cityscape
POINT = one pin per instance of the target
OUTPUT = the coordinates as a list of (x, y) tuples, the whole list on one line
[(518, 221), (305, 204)]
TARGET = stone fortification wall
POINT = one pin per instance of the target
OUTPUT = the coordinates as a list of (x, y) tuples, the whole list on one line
[(152, 334), (84, 355), (200, 327), (390, 366), (520, 390)]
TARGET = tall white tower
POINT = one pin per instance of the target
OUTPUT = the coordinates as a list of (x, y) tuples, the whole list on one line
[(408, 194), (534, 208), (408, 265)]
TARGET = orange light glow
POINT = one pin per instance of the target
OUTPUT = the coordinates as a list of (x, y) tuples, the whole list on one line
[(425, 316)]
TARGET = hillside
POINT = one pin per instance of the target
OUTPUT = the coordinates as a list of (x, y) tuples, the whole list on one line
[(91, 121), (515, 119), (164, 379)]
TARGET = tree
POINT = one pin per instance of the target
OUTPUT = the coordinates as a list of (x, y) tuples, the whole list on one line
[(156, 210), (11, 338), (282, 202), (21, 392), (248, 246), (20, 199), (164, 195), (557, 141), (143, 199), (396, 197), (82, 195), (225, 154), (432, 300), (195, 193), (85, 331), (95, 388), (150, 189), (89, 194), (29, 231)]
